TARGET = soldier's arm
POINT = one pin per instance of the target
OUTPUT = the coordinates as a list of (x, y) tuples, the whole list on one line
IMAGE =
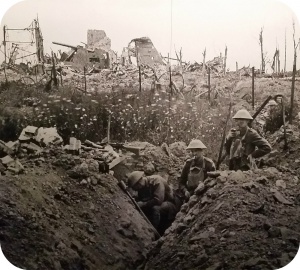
[(263, 147), (211, 167), (184, 176), (227, 144), (158, 195)]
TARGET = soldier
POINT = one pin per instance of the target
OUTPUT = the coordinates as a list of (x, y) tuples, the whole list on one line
[(155, 198), (244, 144), (195, 169), (273, 117)]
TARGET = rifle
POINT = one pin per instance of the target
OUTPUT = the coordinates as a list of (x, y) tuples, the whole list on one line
[(122, 185), (285, 147), (220, 157), (259, 109)]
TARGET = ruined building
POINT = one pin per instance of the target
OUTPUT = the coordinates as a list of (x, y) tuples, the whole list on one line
[(96, 53), (141, 51)]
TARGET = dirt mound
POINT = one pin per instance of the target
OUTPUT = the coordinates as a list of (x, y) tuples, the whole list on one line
[(285, 160), (237, 221), (50, 221), (163, 160)]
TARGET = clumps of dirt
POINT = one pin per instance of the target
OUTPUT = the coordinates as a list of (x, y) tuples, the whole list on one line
[(164, 160), (284, 159), (239, 220), (51, 221)]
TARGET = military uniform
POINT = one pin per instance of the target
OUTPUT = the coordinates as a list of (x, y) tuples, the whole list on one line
[(159, 205), (195, 171), (240, 147)]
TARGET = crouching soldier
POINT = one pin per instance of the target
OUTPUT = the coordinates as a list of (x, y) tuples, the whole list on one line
[(244, 144), (155, 198), (195, 169)]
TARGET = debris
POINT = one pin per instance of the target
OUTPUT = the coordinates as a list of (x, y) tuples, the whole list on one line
[(279, 197), (16, 166), (28, 133), (89, 143), (7, 160), (74, 147), (32, 147), (281, 183), (48, 136)]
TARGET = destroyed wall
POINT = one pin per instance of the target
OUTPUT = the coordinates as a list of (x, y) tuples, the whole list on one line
[(99, 57), (98, 39), (147, 53)]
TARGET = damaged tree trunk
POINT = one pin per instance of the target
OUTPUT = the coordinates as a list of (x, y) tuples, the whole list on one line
[(140, 79), (203, 67), (84, 74), (209, 85), (285, 53), (262, 51), (225, 60), (4, 42), (278, 62), (253, 88), (53, 73), (294, 75)]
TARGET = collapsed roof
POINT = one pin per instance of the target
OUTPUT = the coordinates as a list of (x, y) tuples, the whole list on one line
[(145, 52)]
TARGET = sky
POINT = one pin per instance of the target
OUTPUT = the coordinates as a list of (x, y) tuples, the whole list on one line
[(192, 25)]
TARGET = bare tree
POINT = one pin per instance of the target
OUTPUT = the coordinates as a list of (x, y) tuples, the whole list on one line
[(179, 56), (294, 73), (285, 52), (204, 54), (263, 63), (225, 59)]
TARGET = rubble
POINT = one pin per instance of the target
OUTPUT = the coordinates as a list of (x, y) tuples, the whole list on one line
[(47, 136)]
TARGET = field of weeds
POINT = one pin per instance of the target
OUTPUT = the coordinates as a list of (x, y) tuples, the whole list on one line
[(155, 116)]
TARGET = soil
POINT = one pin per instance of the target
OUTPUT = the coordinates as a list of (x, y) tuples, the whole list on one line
[(52, 217), (239, 221), (50, 221)]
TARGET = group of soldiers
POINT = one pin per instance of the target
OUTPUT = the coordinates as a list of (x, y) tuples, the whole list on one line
[(157, 199)]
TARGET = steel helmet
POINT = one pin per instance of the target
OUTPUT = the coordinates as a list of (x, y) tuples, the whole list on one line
[(134, 177), (272, 103), (196, 144), (242, 114)]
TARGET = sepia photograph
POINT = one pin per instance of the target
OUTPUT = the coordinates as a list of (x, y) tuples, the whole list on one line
[(150, 135)]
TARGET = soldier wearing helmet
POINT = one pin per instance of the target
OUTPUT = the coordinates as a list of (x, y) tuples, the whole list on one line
[(273, 117), (155, 198), (244, 144), (195, 169)]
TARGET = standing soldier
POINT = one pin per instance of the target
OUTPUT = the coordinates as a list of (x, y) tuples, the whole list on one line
[(195, 169), (244, 144), (273, 117), (155, 198)]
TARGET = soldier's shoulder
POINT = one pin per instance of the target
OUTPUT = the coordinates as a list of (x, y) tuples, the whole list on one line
[(252, 131), (209, 161), (156, 178)]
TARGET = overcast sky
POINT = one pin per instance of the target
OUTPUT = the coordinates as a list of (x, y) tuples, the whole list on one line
[(194, 25)]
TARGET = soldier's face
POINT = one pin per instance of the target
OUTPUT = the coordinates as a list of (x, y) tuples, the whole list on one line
[(140, 184), (197, 153), (241, 123), (272, 108)]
